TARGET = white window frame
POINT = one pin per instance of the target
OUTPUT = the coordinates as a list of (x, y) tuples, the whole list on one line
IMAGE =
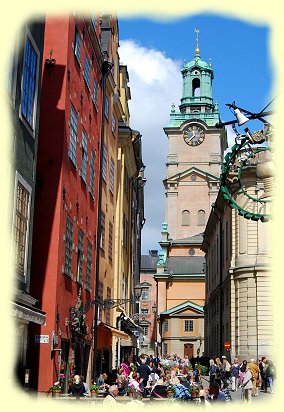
[(30, 127), (190, 326), (21, 180)]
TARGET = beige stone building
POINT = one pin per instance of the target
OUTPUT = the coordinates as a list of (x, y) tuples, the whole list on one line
[(239, 300)]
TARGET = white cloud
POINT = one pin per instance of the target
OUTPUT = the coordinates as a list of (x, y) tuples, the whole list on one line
[(155, 82)]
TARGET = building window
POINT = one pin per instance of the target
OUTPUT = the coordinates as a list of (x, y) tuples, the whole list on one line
[(80, 254), (196, 87), (84, 151), (87, 71), (111, 176), (106, 107), (95, 93), (68, 246), (193, 178), (227, 241), (77, 49), (185, 218), (113, 123), (89, 265), (108, 309), (145, 293), (92, 171), (201, 218), (12, 75), (191, 252), (29, 82), (126, 183), (104, 166), (100, 298), (144, 311), (73, 135), (125, 231), (102, 243), (188, 325), (22, 211), (165, 348), (166, 325), (110, 240), (145, 330), (123, 286)]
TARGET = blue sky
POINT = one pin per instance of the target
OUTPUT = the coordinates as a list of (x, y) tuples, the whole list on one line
[(154, 52)]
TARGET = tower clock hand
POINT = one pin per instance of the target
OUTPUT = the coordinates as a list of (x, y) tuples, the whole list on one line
[(193, 135)]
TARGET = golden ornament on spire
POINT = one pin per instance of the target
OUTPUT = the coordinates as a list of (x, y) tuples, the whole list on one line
[(197, 51)]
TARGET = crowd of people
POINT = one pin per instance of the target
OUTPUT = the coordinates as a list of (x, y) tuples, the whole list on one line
[(175, 377), (250, 376)]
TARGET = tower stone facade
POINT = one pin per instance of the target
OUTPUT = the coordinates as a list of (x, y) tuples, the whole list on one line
[(195, 149)]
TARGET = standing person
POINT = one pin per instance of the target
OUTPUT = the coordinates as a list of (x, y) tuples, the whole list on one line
[(254, 368), (226, 366), (144, 372), (270, 373), (262, 366), (219, 371), (235, 371), (243, 368), (247, 384), (212, 370)]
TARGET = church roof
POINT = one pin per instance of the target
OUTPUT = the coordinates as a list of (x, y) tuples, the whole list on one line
[(181, 307), (149, 263), (192, 240), (197, 62), (185, 265)]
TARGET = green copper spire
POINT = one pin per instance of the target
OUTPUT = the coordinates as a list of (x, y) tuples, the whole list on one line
[(197, 100)]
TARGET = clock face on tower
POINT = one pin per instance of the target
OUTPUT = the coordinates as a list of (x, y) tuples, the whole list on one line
[(194, 135)]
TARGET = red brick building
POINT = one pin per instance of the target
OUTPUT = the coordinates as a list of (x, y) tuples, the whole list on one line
[(66, 204)]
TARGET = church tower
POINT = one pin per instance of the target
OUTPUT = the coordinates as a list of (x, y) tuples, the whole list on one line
[(195, 152)]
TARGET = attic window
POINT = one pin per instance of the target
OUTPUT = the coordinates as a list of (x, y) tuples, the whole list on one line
[(193, 178), (191, 252), (196, 72)]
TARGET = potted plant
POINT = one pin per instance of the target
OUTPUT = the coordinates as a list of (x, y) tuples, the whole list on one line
[(171, 390), (94, 389), (131, 392), (55, 389), (193, 389)]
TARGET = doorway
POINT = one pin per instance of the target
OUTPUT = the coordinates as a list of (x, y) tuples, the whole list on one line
[(188, 350)]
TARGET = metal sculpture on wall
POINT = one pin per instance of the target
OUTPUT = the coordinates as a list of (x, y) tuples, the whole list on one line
[(247, 152)]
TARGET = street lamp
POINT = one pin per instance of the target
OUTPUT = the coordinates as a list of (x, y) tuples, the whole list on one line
[(154, 310)]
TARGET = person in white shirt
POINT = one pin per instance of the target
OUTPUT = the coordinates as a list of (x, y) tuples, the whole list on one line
[(110, 400), (247, 384)]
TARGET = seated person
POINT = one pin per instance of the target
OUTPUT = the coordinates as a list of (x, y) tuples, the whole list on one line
[(77, 388), (159, 390), (215, 393)]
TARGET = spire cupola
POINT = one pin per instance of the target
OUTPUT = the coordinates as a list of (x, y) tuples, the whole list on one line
[(197, 84)]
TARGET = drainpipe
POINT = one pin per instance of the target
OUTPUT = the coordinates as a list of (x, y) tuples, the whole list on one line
[(106, 68)]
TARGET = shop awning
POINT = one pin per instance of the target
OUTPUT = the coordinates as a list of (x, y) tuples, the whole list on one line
[(115, 332), (27, 314)]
